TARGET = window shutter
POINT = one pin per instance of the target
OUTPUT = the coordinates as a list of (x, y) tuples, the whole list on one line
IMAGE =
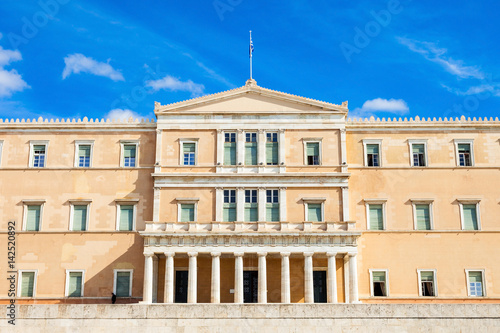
[(33, 218), (126, 217), (129, 150), (376, 217), (273, 212), (79, 218), (84, 150), (189, 147), (251, 153), (314, 212), (372, 149), (418, 149), (423, 217), (229, 213), (426, 276), (463, 148), (123, 284), (75, 284), (187, 212), (312, 149), (27, 284), (272, 153), (378, 276), (470, 217), (251, 212), (475, 277), (229, 153)]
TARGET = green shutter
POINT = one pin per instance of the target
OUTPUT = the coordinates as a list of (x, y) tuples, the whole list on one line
[(372, 149), (272, 153), (376, 217), (314, 213), (75, 284), (378, 276), (187, 212), (475, 277), (423, 217), (129, 150), (418, 148), (79, 218), (272, 212), (126, 217), (123, 284), (229, 212), (251, 153), (229, 153), (189, 147), (312, 149), (470, 217), (83, 151), (27, 284), (463, 147), (426, 276), (251, 212), (33, 218)]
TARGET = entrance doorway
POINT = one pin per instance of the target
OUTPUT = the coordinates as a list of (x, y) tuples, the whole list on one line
[(319, 282), (181, 286), (250, 286)]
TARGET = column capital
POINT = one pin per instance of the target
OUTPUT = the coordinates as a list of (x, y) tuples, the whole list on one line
[(352, 254), (220, 130), (260, 130), (219, 188), (215, 254), (262, 254), (331, 254), (281, 130), (285, 254), (282, 188), (240, 188), (240, 130), (158, 131), (169, 254), (239, 254), (149, 254), (308, 254), (193, 254)]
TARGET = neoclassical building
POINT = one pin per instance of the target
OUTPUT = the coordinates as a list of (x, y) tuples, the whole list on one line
[(252, 196)]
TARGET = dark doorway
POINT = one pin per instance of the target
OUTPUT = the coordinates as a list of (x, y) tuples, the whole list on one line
[(181, 286), (250, 286), (319, 281)]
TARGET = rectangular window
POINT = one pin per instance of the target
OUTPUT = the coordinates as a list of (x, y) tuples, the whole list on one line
[(427, 283), (80, 217), (314, 213), (84, 155), (39, 156), (189, 153), (272, 206), (230, 148), (423, 216), (272, 148), (187, 212), (126, 217), (418, 154), (376, 216), (373, 155), (27, 281), (464, 154), (312, 151), (475, 281), (250, 148), (123, 283), (129, 155), (379, 283), (470, 217), (251, 206), (33, 215), (74, 287), (229, 208)]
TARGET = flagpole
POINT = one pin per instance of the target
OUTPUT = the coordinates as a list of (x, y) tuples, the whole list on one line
[(250, 54)]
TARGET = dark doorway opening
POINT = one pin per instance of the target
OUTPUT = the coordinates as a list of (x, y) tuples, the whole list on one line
[(250, 286), (319, 281), (181, 286)]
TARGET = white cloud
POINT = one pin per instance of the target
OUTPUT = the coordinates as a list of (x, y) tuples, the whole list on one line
[(174, 84), (370, 107), (77, 62), (494, 89), (10, 80), (438, 55), (122, 114)]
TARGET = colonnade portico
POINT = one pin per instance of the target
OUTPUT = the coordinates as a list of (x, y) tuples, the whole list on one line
[(215, 284)]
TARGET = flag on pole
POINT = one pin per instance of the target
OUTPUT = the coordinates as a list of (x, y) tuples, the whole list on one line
[(251, 46)]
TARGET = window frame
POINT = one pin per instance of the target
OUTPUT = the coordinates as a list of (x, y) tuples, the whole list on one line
[(319, 141), (131, 279), (257, 203), (182, 142), (461, 203), (483, 282), (265, 147), (79, 143), (182, 201), (434, 282), (412, 142), (66, 288), (235, 132), (74, 203), (236, 203), (36, 202), (414, 203), (382, 202), (470, 142), (365, 152), (126, 202), (245, 147), (266, 203), (124, 143), (307, 202), (386, 271), (31, 160), (20, 282)]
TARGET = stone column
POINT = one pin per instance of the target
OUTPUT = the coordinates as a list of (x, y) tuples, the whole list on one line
[(240, 204), (282, 200), (308, 278), (261, 148), (285, 277), (155, 279), (220, 147), (238, 277), (331, 278), (345, 204), (353, 274), (192, 278), (215, 290), (346, 278), (262, 285), (262, 204), (219, 202), (281, 145), (148, 278), (169, 278), (240, 147)]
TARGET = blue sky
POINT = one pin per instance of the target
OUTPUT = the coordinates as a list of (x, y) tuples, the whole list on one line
[(71, 58)]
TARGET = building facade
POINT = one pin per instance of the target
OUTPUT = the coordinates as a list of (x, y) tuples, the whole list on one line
[(252, 196)]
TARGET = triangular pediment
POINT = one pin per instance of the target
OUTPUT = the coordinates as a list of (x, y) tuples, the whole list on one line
[(250, 99)]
